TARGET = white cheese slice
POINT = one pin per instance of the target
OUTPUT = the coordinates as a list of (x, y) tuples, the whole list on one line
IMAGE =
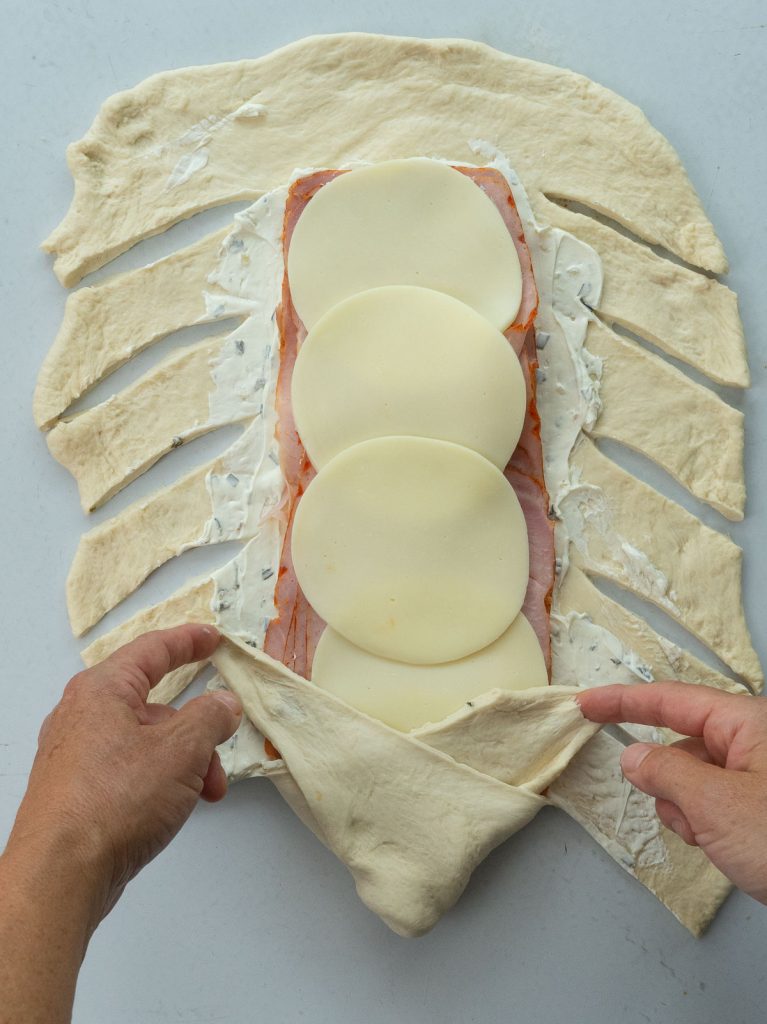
[(414, 221), (413, 549), (405, 360), (407, 696)]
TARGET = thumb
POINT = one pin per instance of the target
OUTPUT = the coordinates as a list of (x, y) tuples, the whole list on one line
[(204, 722), (673, 774)]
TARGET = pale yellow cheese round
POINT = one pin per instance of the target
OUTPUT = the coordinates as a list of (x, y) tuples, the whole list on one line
[(414, 221), (411, 361), (406, 696), (413, 549)]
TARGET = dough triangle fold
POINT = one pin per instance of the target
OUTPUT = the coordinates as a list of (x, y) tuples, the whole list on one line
[(409, 821)]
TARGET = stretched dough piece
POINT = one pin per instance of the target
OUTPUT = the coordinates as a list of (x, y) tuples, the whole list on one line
[(687, 315), (623, 821), (192, 603), (107, 324), (114, 442), (625, 530), (409, 822), (591, 790), (183, 141), (525, 737), (687, 429)]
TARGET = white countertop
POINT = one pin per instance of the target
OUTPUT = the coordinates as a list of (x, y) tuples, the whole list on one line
[(246, 917)]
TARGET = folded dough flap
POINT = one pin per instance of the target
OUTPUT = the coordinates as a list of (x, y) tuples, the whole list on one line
[(410, 822), (523, 738)]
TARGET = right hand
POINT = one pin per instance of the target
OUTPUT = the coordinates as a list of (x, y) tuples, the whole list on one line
[(711, 789)]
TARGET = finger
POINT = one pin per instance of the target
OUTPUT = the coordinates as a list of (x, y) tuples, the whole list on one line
[(153, 714), (683, 707), (669, 773), (204, 722), (147, 659), (695, 746), (674, 819), (215, 784)]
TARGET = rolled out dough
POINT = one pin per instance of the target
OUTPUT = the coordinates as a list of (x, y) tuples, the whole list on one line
[(375, 98)]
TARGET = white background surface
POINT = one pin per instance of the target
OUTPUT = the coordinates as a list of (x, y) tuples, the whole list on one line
[(247, 917)]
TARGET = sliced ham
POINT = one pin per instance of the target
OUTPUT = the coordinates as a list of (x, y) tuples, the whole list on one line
[(293, 634)]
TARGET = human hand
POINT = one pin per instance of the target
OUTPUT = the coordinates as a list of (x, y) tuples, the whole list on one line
[(711, 787), (115, 778)]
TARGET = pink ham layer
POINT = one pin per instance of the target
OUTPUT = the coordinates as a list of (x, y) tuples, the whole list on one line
[(293, 634)]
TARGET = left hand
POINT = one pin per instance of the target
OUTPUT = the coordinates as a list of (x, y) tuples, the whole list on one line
[(115, 777)]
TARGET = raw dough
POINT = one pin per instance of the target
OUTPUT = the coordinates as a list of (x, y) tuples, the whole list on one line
[(652, 656), (417, 222), (410, 822), (700, 443), (191, 603), (325, 100), (108, 324), (183, 141), (407, 696), (230, 498), (688, 315), (626, 531), (623, 821), (113, 559), (413, 549), (111, 444), (405, 360)]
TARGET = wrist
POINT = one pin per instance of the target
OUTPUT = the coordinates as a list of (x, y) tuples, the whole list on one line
[(56, 862), (51, 905)]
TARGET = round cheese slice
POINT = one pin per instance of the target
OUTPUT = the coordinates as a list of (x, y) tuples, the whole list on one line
[(412, 549), (415, 221), (409, 361), (406, 696)]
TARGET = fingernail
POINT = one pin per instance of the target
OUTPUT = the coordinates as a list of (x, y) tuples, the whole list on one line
[(211, 631), (633, 756), (676, 826), (231, 701)]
